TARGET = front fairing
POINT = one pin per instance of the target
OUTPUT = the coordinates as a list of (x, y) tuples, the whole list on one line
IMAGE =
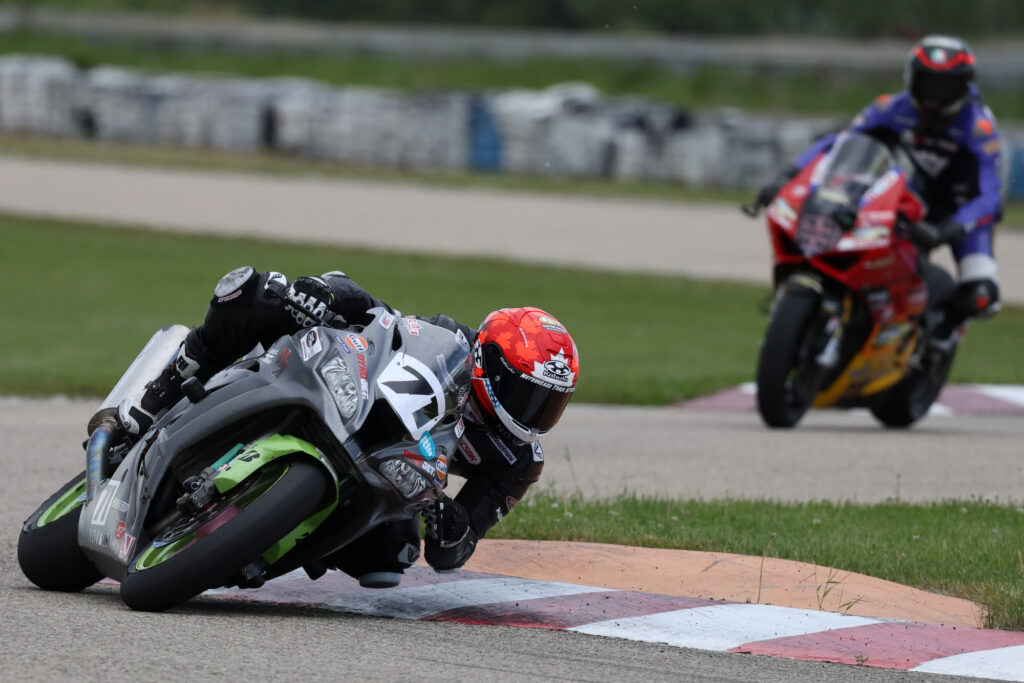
[(420, 370)]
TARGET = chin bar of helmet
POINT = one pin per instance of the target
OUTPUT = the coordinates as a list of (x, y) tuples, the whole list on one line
[(517, 429), (96, 454)]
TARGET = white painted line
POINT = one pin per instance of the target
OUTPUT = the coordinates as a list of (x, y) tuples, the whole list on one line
[(1010, 393), (417, 602), (722, 627), (1005, 664), (939, 410)]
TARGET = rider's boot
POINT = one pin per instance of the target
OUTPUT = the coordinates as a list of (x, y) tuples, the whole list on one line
[(973, 299), (380, 556), (138, 413)]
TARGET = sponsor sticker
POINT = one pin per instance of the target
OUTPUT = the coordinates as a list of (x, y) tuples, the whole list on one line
[(341, 342), (356, 342), (385, 320), (503, 448), (310, 345), (555, 370), (510, 502), (412, 325), (472, 457), (538, 453), (460, 428), (427, 447), (127, 543)]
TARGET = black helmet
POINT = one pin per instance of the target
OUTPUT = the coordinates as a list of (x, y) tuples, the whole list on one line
[(938, 74)]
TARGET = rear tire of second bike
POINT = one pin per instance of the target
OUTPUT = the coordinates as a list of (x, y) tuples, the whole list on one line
[(210, 561), (782, 398)]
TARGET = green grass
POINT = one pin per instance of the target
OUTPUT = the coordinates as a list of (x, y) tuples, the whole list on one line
[(88, 298), (966, 549), (92, 296)]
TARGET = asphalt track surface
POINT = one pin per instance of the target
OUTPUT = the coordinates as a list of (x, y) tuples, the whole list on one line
[(598, 450), (92, 636)]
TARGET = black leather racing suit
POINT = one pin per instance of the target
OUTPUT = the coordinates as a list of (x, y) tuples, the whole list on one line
[(250, 307)]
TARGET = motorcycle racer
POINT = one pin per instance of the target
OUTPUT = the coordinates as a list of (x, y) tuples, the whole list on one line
[(524, 373), (954, 148)]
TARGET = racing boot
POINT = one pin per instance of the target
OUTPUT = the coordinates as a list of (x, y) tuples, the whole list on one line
[(379, 557), (136, 414)]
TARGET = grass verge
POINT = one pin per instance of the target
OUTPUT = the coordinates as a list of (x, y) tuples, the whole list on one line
[(969, 550), (91, 296)]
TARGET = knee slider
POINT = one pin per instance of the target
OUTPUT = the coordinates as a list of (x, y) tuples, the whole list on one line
[(233, 285)]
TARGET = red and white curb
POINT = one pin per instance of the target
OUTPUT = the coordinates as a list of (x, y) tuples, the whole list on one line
[(955, 399), (488, 599)]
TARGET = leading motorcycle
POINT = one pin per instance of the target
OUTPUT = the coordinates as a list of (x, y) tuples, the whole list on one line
[(855, 295), (275, 463)]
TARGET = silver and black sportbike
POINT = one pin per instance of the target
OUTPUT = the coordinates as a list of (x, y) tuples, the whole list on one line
[(276, 462)]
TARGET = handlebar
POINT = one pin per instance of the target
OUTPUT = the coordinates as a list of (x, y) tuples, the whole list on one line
[(753, 209)]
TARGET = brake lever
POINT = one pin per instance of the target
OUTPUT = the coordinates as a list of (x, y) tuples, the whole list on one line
[(753, 209)]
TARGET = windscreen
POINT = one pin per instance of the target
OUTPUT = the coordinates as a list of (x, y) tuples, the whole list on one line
[(854, 165), (856, 162)]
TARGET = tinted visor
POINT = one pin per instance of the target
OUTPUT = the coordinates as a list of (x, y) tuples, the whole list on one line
[(938, 91), (530, 402)]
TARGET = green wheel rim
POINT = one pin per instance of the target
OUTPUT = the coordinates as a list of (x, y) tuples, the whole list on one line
[(187, 531), (72, 499)]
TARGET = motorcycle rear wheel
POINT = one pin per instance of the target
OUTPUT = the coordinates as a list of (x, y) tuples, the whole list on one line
[(786, 371), (207, 548), (48, 550), (910, 399)]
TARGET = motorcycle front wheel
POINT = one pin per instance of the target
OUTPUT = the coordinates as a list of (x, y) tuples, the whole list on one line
[(205, 549), (48, 550), (787, 374)]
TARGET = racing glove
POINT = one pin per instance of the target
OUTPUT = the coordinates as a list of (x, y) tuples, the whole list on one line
[(450, 540), (309, 301), (932, 234), (767, 193)]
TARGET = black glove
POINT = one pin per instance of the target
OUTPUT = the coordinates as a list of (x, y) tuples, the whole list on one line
[(309, 300), (767, 193), (450, 540), (932, 234)]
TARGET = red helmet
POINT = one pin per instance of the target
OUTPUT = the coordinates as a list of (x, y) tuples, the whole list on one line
[(938, 75), (525, 369)]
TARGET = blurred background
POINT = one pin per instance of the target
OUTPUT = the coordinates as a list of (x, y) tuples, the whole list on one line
[(666, 93)]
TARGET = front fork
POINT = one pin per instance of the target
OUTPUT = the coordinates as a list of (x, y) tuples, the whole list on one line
[(828, 327)]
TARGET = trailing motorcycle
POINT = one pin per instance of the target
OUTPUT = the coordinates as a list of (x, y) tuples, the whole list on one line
[(275, 463), (855, 296)]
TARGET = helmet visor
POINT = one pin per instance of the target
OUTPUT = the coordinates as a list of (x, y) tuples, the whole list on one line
[(535, 404), (938, 91)]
